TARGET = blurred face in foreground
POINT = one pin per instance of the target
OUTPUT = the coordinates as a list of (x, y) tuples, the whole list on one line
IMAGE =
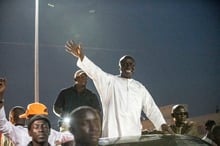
[(86, 128)]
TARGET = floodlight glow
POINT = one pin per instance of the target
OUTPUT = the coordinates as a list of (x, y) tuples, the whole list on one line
[(66, 120)]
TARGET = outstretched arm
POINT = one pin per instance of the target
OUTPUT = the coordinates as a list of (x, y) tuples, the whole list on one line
[(2, 90), (74, 49)]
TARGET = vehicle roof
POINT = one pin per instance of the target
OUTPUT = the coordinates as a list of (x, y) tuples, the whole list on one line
[(153, 140)]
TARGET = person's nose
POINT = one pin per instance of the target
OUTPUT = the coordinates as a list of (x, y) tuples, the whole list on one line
[(93, 126)]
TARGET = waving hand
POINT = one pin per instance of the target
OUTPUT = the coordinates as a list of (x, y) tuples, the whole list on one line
[(74, 49)]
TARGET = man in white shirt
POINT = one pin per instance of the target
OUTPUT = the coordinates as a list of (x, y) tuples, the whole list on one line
[(15, 120), (19, 134), (122, 97)]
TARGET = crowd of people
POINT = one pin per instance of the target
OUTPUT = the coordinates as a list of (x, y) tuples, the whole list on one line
[(108, 114)]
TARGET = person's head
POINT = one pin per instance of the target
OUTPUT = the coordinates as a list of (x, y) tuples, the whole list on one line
[(80, 77), (35, 108), (39, 129), (14, 114), (126, 66), (216, 134), (209, 124), (179, 114), (85, 125)]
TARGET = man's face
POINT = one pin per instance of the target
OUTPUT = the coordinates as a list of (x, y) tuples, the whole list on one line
[(180, 115), (39, 131), (81, 79), (88, 129), (127, 68)]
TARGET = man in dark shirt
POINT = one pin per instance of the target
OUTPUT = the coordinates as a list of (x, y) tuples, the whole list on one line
[(75, 96)]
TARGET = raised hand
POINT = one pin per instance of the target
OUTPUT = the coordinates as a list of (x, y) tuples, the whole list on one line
[(74, 49), (166, 129), (2, 87)]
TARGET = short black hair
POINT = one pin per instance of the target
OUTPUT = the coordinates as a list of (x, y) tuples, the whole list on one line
[(210, 123), (16, 111), (17, 107)]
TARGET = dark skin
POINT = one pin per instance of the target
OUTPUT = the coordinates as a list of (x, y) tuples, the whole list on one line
[(127, 67), (14, 116), (180, 116), (15, 112), (2, 90), (209, 129), (81, 82), (39, 132), (216, 134), (182, 125), (86, 128)]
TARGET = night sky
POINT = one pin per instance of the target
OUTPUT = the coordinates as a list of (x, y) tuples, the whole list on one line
[(176, 45)]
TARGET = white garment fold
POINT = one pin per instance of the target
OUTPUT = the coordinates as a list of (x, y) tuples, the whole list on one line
[(20, 137), (122, 102)]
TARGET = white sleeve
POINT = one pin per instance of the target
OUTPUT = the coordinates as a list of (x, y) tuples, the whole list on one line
[(5, 125), (100, 78), (13, 132), (59, 137), (152, 111)]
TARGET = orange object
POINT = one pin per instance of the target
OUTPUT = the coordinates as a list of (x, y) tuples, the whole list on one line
[(35, 109)]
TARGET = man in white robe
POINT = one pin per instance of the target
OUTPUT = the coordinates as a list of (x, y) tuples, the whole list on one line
[(122, 97)]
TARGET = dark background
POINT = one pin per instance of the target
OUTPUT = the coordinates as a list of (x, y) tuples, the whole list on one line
[(176, 45)]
